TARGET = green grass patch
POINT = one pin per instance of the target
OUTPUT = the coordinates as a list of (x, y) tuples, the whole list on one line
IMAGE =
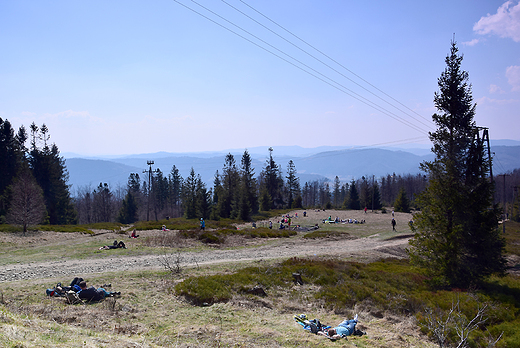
[(324, 234), (85, 228), (266, 215), (218, 236), (512, 237), (386, 286), (63, 228), (10, 228), (182, 224)]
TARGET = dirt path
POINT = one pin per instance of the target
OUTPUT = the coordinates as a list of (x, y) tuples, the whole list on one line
[(362, 248)]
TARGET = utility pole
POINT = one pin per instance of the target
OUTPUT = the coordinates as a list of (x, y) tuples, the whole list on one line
[(485, 137), (515, 195), (373, 184), (150, 163), (503, 203)]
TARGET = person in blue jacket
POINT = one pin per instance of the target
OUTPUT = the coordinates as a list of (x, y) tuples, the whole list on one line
[(344, 329)]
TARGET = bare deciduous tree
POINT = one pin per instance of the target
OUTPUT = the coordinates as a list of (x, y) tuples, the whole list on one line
[(27, 206), (441, 324)]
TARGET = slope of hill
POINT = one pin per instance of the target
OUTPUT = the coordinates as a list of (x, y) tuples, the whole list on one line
[(90, 173), (347, 164)]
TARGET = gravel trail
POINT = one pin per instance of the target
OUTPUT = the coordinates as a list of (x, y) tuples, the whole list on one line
[(362, 247)]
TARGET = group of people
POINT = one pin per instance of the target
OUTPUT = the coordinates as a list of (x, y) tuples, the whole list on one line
[(329, 220), (87, 294), (342, 330)]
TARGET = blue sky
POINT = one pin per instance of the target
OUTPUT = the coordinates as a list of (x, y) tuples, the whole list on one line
[(123, 77)]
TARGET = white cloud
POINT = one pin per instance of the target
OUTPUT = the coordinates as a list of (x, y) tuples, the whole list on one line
[(513, 77), (471, 43), (505, 23), (488, 101), (495, 89)]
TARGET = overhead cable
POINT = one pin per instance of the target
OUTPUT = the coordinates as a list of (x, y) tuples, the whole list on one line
[(429, 125), (338, 63), (334, 84)]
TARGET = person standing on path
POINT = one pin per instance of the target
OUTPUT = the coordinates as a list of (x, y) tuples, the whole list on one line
[(202, 224), (393, 224)]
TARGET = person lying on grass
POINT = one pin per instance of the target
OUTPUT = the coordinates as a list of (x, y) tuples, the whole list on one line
[(344, 329), (116, 245), (93, 294)]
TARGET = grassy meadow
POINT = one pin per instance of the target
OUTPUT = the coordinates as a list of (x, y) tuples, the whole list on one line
[(213, 305)]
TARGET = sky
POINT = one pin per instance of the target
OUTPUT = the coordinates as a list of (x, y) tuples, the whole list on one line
[(130, 77)]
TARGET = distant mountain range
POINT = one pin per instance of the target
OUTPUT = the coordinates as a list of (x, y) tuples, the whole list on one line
[(311, 164)]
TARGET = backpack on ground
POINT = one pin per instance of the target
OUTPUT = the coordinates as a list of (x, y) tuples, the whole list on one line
[(72, 297)]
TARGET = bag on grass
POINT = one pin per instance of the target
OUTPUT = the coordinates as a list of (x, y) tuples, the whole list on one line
[(72, 297)]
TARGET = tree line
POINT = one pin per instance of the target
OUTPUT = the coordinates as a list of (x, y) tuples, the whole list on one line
[(33, 180), (238, 193), (34, 189)]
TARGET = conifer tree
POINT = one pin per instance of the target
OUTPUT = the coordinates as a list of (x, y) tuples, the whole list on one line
[(189, 195), (203, 199), (248, 199), (265, 200), (175, 188), (402, 204), (129, 209), (457, 241), (336, 192), (365, 194), (292, 184), (377, 196), (271, 180), (227, 205), (11, 159), (352, 201), (217, 194), (50, 172)]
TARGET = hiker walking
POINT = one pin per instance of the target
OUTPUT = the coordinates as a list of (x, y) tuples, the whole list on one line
[(202, 224), (393, 224)]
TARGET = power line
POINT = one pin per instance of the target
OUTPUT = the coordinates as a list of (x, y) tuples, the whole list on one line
[(327, 65), (334, 84)]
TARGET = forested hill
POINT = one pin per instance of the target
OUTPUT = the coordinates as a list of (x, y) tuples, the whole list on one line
[(346, 164)]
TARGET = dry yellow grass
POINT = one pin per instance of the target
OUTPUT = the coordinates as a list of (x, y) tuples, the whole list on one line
[(148, 314)]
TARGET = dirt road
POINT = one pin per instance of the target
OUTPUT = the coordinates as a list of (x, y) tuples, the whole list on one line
[(362, 248)]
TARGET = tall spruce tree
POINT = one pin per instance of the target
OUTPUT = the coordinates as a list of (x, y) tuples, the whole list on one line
[(129, 209), (272, 182), (175, 187), (376, 194), (336, 192), (292, 184), (189, 195), (203, 199), (352, 201), (248, 198), (457, 241), (50, 172), (227, 206), (11, 159), (217, 194), (402, 203)]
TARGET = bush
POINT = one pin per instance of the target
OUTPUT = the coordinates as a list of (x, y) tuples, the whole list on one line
[(388, 285)]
